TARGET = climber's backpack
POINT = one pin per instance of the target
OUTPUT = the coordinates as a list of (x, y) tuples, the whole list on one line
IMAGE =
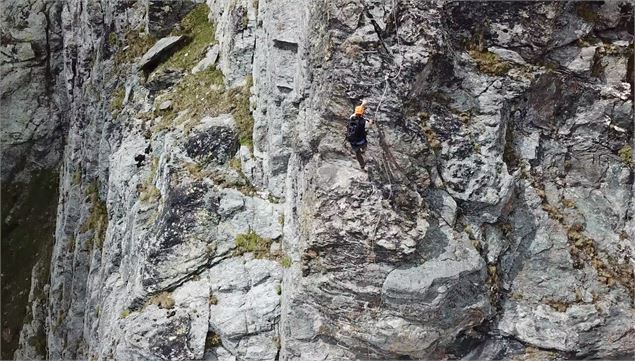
[(352, 129)]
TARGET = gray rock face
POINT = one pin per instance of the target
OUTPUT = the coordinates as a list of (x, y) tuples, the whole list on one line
[(493, 218), (32, 118)]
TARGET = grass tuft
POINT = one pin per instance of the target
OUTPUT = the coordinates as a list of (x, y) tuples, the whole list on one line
[(489, 62), (148, 191), (286, 261), (97, 221), (135, 44), (116, 103), (254, 243)]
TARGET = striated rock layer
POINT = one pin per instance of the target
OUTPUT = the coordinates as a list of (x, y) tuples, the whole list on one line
[(210, 207)]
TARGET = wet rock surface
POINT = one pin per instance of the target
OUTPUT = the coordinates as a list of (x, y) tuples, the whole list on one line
[(211, 208)]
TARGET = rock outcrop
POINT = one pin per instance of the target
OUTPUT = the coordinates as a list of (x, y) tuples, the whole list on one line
[(210, 207)]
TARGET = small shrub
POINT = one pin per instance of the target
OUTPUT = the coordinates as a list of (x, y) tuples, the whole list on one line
[(252, 242), (279, 289), (125, 313)]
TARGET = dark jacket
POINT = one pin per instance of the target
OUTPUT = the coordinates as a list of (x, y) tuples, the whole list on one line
[(356, 131)]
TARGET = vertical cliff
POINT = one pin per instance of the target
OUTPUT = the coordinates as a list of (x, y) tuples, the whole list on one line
[(210, 208), (33, 125)]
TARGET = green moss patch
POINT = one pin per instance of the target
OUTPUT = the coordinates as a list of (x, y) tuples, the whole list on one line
[(489, 62), (626, 154)]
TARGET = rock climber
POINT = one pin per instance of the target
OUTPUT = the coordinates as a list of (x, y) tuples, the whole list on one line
[(356, 132)]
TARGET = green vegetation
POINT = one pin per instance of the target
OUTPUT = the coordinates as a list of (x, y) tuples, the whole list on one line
[(242, 113), (197, 28), (279, 289), (148, 191), (135, 45), (626, 154), (112, 39), (281, 220), (116, 103), (203, 93), (200, 94), (234, 164), (254, 243), (97, 221), (489, 62), (125, 313), (286, 261)]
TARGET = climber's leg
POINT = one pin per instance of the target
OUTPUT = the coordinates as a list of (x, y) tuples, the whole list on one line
[(360, 159)]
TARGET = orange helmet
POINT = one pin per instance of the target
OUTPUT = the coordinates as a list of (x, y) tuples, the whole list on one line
[(359, 110)]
